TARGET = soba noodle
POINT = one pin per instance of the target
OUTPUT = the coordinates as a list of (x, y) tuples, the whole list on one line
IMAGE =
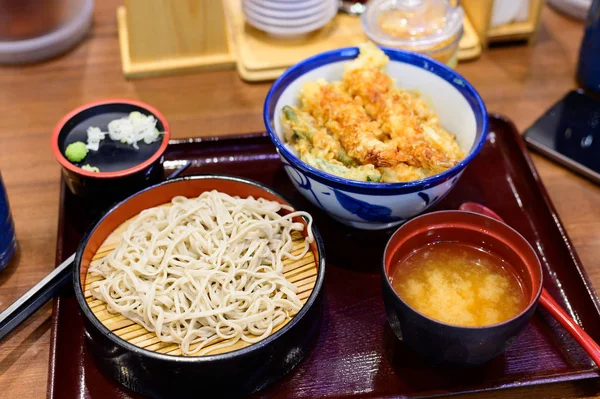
[(204, 272)]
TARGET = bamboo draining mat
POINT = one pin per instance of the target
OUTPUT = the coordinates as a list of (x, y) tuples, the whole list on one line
[(302, 273), (261, 57)]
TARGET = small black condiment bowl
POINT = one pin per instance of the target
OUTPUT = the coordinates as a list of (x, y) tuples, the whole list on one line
[(232, 374), (448, 344), (123, 169)]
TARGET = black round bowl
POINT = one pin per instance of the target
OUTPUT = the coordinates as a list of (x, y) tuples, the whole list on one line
[(123, 169), (448, 344), (231, 374)]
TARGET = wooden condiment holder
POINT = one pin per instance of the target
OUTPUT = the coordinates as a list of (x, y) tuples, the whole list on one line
[(160, 37), (480, 14)]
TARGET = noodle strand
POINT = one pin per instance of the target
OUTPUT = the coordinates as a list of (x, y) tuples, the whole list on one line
[(205, 270)]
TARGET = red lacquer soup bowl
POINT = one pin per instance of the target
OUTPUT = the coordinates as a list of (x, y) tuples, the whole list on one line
[(443, 343)]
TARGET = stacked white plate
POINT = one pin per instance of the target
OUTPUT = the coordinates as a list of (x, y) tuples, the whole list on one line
[(575, 8), (289, 18)]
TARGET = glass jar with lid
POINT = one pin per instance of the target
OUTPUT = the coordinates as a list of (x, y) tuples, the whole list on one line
[(429, 27)]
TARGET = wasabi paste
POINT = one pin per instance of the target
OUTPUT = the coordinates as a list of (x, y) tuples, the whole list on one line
[(76, 151)]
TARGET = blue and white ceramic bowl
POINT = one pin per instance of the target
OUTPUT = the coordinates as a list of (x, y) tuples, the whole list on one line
[(367, 205)]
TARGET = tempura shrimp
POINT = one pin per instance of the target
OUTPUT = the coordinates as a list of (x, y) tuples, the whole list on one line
[(402, 116)]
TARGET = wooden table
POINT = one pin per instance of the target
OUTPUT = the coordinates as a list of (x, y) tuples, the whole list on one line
[(518, 81)]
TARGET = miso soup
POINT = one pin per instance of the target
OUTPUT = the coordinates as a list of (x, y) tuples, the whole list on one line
[(459, 284)]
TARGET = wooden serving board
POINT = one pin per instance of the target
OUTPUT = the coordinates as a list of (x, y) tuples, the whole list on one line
[(302, 273), (183, 43)]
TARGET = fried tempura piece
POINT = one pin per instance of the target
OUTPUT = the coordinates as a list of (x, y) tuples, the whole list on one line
[(301, 129), (347, 120), (369, 56), (403, 172), (321, 150), (403, 117), (365, 128), (358, 172)]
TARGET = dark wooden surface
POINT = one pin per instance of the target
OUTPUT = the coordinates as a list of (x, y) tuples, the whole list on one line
[(517, 80)]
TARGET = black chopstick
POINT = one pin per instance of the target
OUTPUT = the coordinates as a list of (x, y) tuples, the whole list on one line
[(179, 170), (48, 287), (38, 295)]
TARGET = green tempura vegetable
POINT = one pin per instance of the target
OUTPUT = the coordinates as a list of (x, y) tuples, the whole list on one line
[(301, 125), (289, 113), (361, 173), (346, 159), (76, 151)]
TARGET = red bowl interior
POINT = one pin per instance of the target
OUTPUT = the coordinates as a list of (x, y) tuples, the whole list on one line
[(471, 229), (162, 194)]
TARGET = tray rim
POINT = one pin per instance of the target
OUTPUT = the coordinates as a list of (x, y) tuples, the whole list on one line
[(218, 138), (568, 376), (548, 202)]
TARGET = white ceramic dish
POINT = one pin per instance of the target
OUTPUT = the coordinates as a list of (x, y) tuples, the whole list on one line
[(574, 8), (289, 32), (285, 5), (507, 11), (320, 15), (367, 205), (286, 14)]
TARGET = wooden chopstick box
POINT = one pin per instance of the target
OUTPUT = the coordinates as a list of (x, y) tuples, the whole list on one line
[(480, 15), (160, 37)]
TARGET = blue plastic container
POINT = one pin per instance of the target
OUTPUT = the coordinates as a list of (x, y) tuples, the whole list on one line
[(8, 240), (588, 71)]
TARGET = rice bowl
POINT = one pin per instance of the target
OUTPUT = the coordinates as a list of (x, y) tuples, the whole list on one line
[(374, 205)]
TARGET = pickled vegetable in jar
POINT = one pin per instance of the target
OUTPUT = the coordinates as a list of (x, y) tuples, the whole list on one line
[(429, 27)]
